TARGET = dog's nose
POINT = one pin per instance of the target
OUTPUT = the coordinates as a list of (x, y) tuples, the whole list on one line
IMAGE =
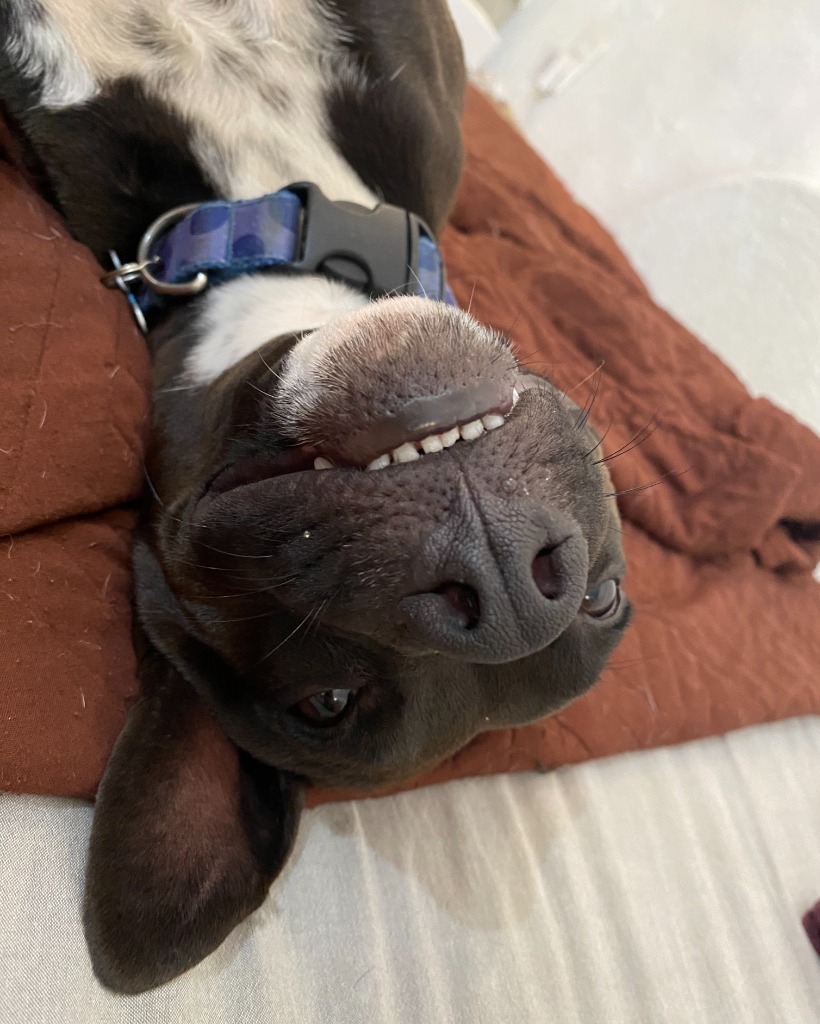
[(504, 595)]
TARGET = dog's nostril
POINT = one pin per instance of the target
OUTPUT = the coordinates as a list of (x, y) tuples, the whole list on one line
[(545, 575), (464, 602)]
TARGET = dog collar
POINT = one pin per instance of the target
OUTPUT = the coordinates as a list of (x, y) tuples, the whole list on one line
[(383, 251)]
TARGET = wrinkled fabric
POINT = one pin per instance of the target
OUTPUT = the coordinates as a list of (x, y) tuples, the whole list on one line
[(74, 378), (721, 510), (662, 887)]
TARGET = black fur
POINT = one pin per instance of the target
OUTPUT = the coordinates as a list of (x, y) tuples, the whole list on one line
[(188, 861), (413, 68), (116, 163)]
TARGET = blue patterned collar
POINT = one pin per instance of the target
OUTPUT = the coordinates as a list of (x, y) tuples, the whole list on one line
[(384, 251)]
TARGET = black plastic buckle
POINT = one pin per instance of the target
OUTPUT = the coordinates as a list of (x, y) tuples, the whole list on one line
[(374, 251)]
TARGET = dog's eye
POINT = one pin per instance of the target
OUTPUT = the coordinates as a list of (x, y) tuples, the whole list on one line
[(603, 601), (327, 707)]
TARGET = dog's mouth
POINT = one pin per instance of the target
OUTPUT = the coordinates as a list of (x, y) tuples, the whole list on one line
[(402, 381), (424, 427)]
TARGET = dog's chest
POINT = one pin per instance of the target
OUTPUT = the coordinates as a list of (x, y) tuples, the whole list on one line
[(249, 79)]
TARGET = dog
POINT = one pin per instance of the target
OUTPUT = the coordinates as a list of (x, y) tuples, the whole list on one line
[(370, 534)]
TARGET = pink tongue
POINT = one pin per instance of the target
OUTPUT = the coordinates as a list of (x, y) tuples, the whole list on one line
[(417, 419)]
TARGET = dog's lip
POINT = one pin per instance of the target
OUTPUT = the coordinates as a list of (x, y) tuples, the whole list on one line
[(419, 419), (259, 466), (250, 469)]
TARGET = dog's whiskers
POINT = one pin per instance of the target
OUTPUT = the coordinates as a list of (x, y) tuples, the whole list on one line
[(472, 296), (231, 554), (632, 535), (306, 620), (314, 624), (583, 381), (200, 565), (632, 661), (253, 593), (511, 328), (249, 618), (581, 422), (646, 487), (598, 445), (418, 282), (179, 387), (268, 367), (267, 394), (151, 484), (648, 429)]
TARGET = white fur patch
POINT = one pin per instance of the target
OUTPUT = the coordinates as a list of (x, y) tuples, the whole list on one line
[(306, 360), (242, 316), (248, 76), (42, 51)]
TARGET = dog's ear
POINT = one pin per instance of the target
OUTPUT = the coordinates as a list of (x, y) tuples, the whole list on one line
[(188, 834)]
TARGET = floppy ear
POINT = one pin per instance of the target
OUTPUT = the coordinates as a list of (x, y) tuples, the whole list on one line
[(188, 834)]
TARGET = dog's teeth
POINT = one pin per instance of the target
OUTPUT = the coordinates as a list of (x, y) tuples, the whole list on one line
[(381, 462), (516, 396), (431, 444), (321, 463), (492, 421), (406, 453), (470, 431)]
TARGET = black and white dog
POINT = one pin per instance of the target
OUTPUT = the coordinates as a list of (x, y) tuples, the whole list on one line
[(372, 535)]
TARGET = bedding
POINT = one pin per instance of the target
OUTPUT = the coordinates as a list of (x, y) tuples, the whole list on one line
[(719, 492), (661, 887)]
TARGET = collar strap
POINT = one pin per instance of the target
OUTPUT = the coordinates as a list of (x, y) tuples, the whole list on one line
[(384, 251)]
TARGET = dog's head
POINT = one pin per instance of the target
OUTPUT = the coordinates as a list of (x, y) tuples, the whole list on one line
[(451, 565), (376, 541)]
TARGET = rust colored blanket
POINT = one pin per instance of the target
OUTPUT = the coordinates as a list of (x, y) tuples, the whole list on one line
[(727, 630)]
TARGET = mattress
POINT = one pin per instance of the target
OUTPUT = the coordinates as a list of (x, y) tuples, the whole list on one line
[(663, 886)]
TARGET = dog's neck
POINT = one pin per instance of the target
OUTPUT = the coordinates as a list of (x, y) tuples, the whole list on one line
[(239, 317), (139, 111)]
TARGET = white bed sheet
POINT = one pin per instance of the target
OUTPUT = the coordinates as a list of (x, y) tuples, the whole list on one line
[(664, 887)]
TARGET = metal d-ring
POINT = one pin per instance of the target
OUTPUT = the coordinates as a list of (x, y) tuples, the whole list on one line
[(125, 272), (145, 260), (119, 278)]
